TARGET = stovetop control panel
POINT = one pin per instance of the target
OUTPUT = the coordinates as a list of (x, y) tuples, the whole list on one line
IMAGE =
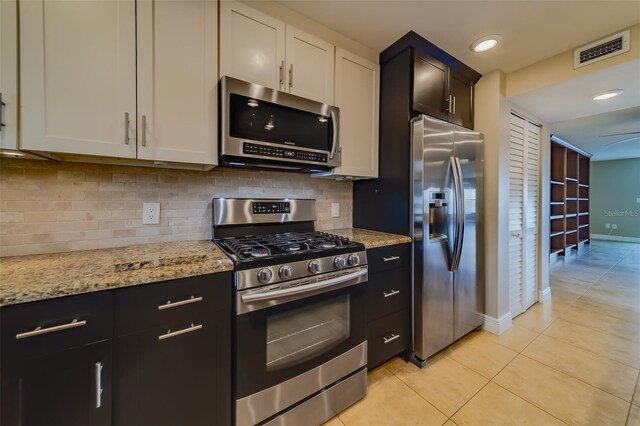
[(271, 207)]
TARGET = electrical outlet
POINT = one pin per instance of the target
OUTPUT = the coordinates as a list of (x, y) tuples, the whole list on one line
[(150, 213), (335, 209), (614, 226), (607, 226)]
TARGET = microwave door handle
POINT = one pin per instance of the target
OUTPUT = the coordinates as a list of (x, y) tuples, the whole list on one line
[(334, 144), (276, 294)]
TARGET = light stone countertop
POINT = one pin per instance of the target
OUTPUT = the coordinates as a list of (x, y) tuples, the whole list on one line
[(45, 276), (371, 239)]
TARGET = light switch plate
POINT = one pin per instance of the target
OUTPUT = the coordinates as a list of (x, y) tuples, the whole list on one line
[(150, 213), (335, 209), (607, 226)]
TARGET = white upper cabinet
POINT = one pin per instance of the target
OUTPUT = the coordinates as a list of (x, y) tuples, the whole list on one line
[(260, 49), (78, 77), (177, 80), (87, 91), (252, 45), (309, 66), (357, 95), (9, 74)]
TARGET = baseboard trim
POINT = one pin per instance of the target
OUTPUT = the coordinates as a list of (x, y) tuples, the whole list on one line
[(544, 296), (497, 325), (615, 238)]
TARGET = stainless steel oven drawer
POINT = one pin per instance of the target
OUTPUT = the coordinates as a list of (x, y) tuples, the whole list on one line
[(326, 404)]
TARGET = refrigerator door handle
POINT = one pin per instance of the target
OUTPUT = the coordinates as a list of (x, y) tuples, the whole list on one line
[(460, 212), (456, 219)]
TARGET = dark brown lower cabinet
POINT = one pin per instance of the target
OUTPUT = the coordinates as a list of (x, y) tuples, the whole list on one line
[(63, 388), (156, 354), (388, 304), (167, 382), (173, 367)]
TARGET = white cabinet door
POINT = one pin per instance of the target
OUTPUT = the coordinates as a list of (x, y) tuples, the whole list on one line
[(78, 76), (252, 45), (524, 160), (357, 95), (9, 74), (309, 66), (177, 78)]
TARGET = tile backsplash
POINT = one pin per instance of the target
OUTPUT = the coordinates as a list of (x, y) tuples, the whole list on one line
[(48, 206)]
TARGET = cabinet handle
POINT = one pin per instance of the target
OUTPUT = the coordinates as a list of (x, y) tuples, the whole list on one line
[(448, 102), (144, 130), (39, 330), (170, 333), (390, 258), (1, 105), (391, 339), (281, 73), (291, 76), (98, 384), (126, 128), (454, 105), (170, 305), (391, 293)]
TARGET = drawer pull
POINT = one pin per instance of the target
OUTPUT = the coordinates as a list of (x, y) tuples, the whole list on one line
[(170, 333), (391, 339), (391, 293), (390, 258), (39, 330), (170, 305)]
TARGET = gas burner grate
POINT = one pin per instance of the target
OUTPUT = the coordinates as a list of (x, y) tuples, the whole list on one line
[(273, 245)]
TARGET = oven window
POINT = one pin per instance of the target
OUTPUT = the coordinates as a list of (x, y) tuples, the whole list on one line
[(296, 336), (268, 122)]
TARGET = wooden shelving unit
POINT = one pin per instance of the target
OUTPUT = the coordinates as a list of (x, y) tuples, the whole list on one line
[(569, 199)]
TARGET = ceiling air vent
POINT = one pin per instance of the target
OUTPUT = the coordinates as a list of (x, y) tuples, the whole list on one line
[(601, 49)]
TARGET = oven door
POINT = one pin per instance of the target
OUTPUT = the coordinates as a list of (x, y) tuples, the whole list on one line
[(281, 342), (262, 125)]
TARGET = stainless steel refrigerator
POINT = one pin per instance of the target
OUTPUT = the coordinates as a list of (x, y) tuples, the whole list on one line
[(448, 275)]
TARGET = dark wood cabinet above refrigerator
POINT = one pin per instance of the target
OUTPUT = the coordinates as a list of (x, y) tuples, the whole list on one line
[(442, 86)]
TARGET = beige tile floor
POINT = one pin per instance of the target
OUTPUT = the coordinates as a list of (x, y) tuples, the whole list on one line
[(574, 360)]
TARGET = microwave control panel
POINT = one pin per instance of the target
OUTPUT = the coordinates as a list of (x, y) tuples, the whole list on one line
[(285, 153)]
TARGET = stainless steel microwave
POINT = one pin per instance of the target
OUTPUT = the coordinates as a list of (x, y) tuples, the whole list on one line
[(262, 127)]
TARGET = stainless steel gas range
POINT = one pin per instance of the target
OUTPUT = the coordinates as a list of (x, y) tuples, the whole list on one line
[(299, 331)]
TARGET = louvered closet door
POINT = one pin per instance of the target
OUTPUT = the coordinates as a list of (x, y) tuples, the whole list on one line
[(524, 154)]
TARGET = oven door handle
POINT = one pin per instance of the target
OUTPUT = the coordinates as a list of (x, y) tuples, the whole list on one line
[(275, 294)]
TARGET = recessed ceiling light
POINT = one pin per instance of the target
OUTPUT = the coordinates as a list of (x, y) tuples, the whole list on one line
[(485, 43), (608, 94)]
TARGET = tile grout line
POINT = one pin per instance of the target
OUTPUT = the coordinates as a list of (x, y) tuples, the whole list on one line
[(632, 397), (578, 378), (415, 391), (491, 379), (529, 402)]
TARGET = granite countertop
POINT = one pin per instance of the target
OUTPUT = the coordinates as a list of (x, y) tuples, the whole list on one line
[(46, 276), (371, 239), (39, 277)]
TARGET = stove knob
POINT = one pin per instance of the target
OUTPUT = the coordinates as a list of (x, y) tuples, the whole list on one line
[(339, 262), (285, 271), (353, 259), (314, 266), (264, 275)]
